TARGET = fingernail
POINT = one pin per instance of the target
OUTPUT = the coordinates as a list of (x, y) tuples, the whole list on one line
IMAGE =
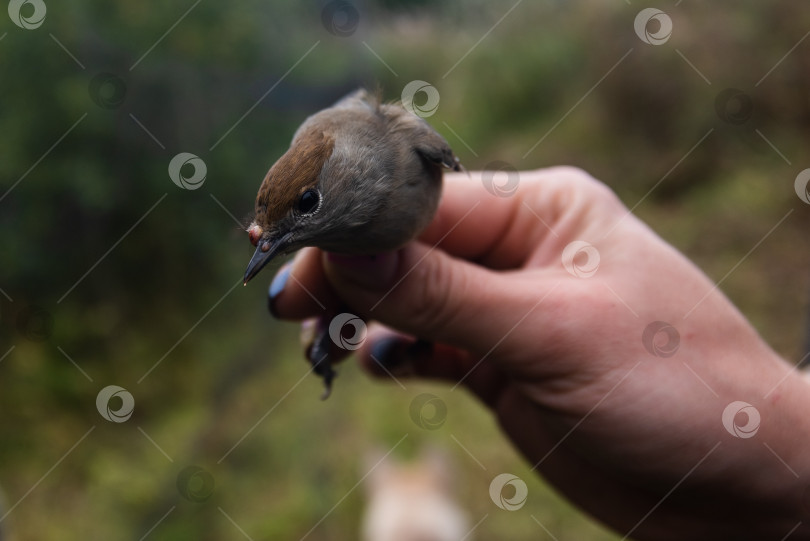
[(370, 271), (277, 286), (389, 353)]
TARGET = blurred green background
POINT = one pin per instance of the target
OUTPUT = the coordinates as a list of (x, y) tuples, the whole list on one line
[(105, 263)]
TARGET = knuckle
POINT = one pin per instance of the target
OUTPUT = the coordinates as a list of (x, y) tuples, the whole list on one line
[(584, 187), (573, 173), (433, 304)]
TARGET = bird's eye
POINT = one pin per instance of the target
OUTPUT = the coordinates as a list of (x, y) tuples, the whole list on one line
[(309, 202)]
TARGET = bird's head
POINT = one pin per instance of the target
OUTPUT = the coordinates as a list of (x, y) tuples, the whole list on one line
[(289, 201)]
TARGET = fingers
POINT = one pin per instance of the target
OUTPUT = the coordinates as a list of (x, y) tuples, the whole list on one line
[(300, 289), (502, 228), (394, 356), (472, 223), (418, 290), (426, 293)]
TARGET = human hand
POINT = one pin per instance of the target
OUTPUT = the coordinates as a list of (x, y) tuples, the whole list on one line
[(553, 342)]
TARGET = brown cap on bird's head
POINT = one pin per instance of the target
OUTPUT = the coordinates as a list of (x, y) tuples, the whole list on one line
[(287, 192)]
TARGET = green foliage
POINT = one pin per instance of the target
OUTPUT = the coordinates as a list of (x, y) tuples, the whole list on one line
[(106, 263)]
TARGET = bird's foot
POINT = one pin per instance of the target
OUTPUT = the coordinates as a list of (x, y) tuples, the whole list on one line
[(320, 359)]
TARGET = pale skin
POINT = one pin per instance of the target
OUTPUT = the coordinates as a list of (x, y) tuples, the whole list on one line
[(633, 439)]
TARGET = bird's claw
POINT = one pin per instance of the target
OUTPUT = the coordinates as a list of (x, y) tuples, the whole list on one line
[(321, 361)]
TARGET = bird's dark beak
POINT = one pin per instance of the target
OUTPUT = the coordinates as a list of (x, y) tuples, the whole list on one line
[(265, 252)]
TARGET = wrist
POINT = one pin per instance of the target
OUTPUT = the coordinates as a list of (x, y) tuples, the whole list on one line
[(761, 467)]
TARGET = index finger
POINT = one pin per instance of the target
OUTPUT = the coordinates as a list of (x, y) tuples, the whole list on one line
[(498, 226)]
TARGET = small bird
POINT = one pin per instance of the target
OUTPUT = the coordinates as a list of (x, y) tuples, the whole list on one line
[(360, 178)]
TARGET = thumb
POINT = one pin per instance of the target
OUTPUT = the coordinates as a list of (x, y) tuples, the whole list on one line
[(427, 293)]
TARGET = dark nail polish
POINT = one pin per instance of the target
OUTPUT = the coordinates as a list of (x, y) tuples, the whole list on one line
[(277, 286), (389, 352)]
